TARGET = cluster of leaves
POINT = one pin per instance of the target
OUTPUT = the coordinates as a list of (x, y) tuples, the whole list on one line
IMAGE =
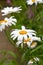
[(35, 23), (4, 60)]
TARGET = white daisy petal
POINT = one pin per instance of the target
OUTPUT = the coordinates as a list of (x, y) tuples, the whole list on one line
[(14, 37), (12, 33), (20, 37), (2, 26), (36, 38), (34, 34), (23, 27), (31, 31), (25, 36), (18, 43), (13, 23)]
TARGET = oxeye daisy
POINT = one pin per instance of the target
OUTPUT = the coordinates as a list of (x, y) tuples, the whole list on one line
[(6, 22), (30, 2), (8, 10), (34, 60), (21, 34), (25, 36)]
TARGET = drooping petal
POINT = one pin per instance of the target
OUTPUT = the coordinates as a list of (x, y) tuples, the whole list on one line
[(18, 43), (36, 38), (20, 37)]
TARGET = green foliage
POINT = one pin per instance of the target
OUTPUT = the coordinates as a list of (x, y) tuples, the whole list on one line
[(6, 61)]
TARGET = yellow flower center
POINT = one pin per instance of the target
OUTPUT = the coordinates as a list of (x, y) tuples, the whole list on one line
[(33, 43), (22, 32), (1, 21), (28, 39), (33, 0)]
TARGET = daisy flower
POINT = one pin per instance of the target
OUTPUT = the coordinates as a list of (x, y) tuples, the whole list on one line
[(31, 42), (34, 60), (6, 22), (21, 34), (8, 10), (24, 36), (30, 2)]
